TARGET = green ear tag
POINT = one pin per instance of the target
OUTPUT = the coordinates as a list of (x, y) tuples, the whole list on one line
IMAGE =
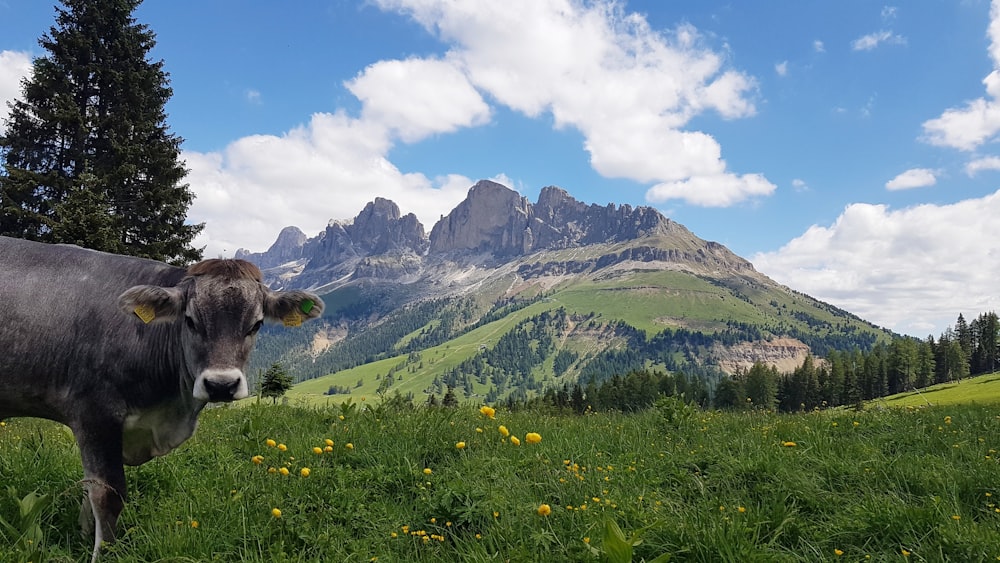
[(145, 312), (306, 305)]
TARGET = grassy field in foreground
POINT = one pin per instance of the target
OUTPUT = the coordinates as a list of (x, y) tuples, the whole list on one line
[(916, 484)]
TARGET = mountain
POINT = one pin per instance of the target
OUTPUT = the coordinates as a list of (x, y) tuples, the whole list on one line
[(505, 297)]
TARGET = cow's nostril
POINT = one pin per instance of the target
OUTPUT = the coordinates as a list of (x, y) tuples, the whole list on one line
[(223, 390)]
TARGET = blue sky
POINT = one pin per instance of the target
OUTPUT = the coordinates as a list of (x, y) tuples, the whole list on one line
[(848, 149)]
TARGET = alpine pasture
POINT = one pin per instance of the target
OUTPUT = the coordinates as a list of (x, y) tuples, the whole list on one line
[(378, 480)]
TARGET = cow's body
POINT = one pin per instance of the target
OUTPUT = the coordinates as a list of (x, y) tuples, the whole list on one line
[(126, 351)]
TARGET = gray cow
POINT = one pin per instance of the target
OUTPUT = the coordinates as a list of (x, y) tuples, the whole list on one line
[(126, 352)]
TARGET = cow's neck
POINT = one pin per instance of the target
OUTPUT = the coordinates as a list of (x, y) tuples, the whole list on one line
[(166, 414)]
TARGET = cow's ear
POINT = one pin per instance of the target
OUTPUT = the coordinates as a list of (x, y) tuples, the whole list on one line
[(152, 303), (292, 307)]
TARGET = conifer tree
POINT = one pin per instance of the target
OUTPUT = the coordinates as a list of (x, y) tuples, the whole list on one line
[(275, 383), (87, 156)]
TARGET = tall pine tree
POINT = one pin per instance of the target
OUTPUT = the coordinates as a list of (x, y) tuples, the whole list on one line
[(87, 156)]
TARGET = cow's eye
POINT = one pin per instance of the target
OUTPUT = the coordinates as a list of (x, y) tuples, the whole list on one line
[(256, 327)]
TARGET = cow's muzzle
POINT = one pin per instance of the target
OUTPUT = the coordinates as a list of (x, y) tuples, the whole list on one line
[(220, 385)]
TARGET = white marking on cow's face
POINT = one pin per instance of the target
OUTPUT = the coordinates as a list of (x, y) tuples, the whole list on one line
[(220, 385)]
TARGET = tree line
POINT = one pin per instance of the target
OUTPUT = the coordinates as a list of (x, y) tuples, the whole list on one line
[(843, 377)]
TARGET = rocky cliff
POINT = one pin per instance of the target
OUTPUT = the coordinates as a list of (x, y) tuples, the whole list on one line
[(493, 220)]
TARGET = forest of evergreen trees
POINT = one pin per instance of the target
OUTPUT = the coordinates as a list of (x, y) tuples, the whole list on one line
[(843, 378)]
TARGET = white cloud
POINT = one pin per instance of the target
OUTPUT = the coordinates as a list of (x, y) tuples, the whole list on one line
[(628, 89), (800, 185), (253, 96), (873, 40), (923, 264), (325, 170), (818, 46), (889, 12), (913, 178), (14, 65), (719, 190), (968, 127), (781, 68), (980, 164), (428, 107)]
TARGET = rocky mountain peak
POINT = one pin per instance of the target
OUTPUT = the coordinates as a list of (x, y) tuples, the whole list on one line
[(492, 218), (286, 248)]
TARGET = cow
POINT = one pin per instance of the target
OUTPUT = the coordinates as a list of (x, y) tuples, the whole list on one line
[(126, 352)]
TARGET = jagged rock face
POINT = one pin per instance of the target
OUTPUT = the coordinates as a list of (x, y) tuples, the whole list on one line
[(492, 218), (497, 219), (286, 248)]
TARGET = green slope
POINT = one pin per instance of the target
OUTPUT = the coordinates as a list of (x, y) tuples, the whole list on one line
[(983, 389)]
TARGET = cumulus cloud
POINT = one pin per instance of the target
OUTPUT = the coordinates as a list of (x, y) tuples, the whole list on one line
[(921, 265), (720, 190), (628, 89), (873, 40), (14, 65), (781, 68), (978, 165), (800, 185), (966, 128), (818, 46), (913, 178)]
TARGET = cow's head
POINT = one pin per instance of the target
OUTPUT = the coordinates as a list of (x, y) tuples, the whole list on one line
[(220, 305)]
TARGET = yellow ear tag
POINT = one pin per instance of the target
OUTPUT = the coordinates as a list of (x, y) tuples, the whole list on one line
[(292, 319), (144, 312)]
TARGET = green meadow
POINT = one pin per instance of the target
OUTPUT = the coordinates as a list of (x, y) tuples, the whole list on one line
[(387, 482)]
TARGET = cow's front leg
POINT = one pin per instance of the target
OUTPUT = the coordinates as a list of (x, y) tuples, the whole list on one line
[(103, 478)]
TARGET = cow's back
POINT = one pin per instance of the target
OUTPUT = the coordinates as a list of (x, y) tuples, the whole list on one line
[(62, 337)]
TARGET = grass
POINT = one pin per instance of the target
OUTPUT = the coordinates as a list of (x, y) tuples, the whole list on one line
[(983, 390), (699, 486)]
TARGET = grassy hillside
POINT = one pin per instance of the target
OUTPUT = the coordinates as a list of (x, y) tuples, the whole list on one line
[(984, 390), (648, 300), (446, 485)]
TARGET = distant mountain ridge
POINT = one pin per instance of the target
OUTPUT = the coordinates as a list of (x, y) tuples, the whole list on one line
[(493, 223), (505, 298)]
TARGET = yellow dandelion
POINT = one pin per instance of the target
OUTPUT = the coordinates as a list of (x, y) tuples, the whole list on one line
[(838, 552), (514, 440), (487, 411), (904, 552), (317, 450), (194, 523), (270, 443), (789, 444), (283, 471), (272, 470), (341, 417), (586, 540), (349, 446), (328, 442), (479, 430), (947, 420), (460, 445), (282, 447), (532, 437), (544, 510), (257, 459), (328, 449), (956, 517), (276, 513), (304, 472), (741, 509), (393, 535), (503, 431), (428, 471)]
